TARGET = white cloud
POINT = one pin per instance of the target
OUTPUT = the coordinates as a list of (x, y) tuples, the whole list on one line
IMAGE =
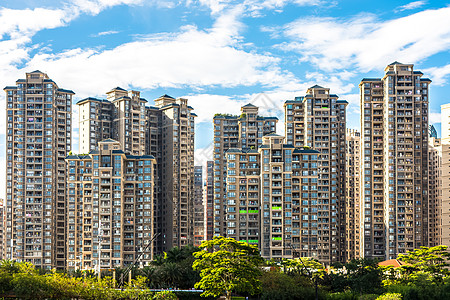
[(254, 7), (434, 118), (109, 32), (411, 5), (94, 7), (365, 42), (438, 74), (191, 58)]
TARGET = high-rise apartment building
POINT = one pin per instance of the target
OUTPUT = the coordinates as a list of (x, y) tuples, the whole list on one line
[(243, 131), (445, 174), (353, 197), (176, 171), (110, 208), (199, 208), (208, 200), (243, 195), (2, 226), (434, 190), (318, 121), (272, 199), (394, 125), (121, 117), (165, 131), (38, 138), (95, 123)]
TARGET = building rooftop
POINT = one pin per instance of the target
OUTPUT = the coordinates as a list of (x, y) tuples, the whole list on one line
[(305, 150), (92, 99), (371, 79), (273, 134), (166, 96), (66, 91), (117, 88), (240, 150), (316, 87)]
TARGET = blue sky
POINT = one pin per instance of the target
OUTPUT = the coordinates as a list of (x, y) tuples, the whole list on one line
[(222, 54)]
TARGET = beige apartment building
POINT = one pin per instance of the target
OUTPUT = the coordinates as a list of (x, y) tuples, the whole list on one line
[(110, 208), (199, 207), (434, 189), (243, 195), (318, 121), (243, 131), (38, 138), (445, 174), (353, 196), (208, 201), (272, 200), (2, 226), (394, 124), (165, 131), (95, 123)]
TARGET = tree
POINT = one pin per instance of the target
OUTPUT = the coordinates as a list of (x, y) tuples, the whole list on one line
[(227, 266), (423, 267), (431, 260)]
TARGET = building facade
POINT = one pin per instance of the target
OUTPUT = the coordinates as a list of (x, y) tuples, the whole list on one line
[(199, 207), (2, 226), (445, 174), (353, 197), (394, 124), (244, 131), (318, 121), (435, 191), (164, 131), (110, 208), (208, 200), (38, 138), (272, 199)]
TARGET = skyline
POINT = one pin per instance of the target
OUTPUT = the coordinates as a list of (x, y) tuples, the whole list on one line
[(268, 47)]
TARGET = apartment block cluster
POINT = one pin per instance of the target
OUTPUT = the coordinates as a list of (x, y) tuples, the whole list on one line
[(332, 193), (322, 190), (133, 179)]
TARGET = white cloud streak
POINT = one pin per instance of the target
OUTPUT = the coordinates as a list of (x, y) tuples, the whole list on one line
[(365, 42), (411, 5), (103, 33), (254, 7), (438, 74)]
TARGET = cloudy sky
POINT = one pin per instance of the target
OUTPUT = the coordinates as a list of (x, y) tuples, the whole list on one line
[(221, 54)]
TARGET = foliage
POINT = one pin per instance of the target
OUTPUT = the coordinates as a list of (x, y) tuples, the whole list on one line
[(227, 266), (424, 266), (361, 276), (173, 269), (390, 296), (24, 281), (281, 286), (165, 295), (225, 115)]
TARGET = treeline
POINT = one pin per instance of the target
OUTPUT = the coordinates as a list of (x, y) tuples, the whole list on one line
[(423, 274)]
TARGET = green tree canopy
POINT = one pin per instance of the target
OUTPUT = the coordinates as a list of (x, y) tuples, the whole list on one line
[(227, 266), (423, 266)]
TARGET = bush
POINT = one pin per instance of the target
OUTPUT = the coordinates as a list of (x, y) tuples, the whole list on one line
[(165, 295), (390, 296), (347, 295)]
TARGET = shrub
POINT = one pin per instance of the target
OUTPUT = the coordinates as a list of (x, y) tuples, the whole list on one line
[(165, 295), (390, 296)]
